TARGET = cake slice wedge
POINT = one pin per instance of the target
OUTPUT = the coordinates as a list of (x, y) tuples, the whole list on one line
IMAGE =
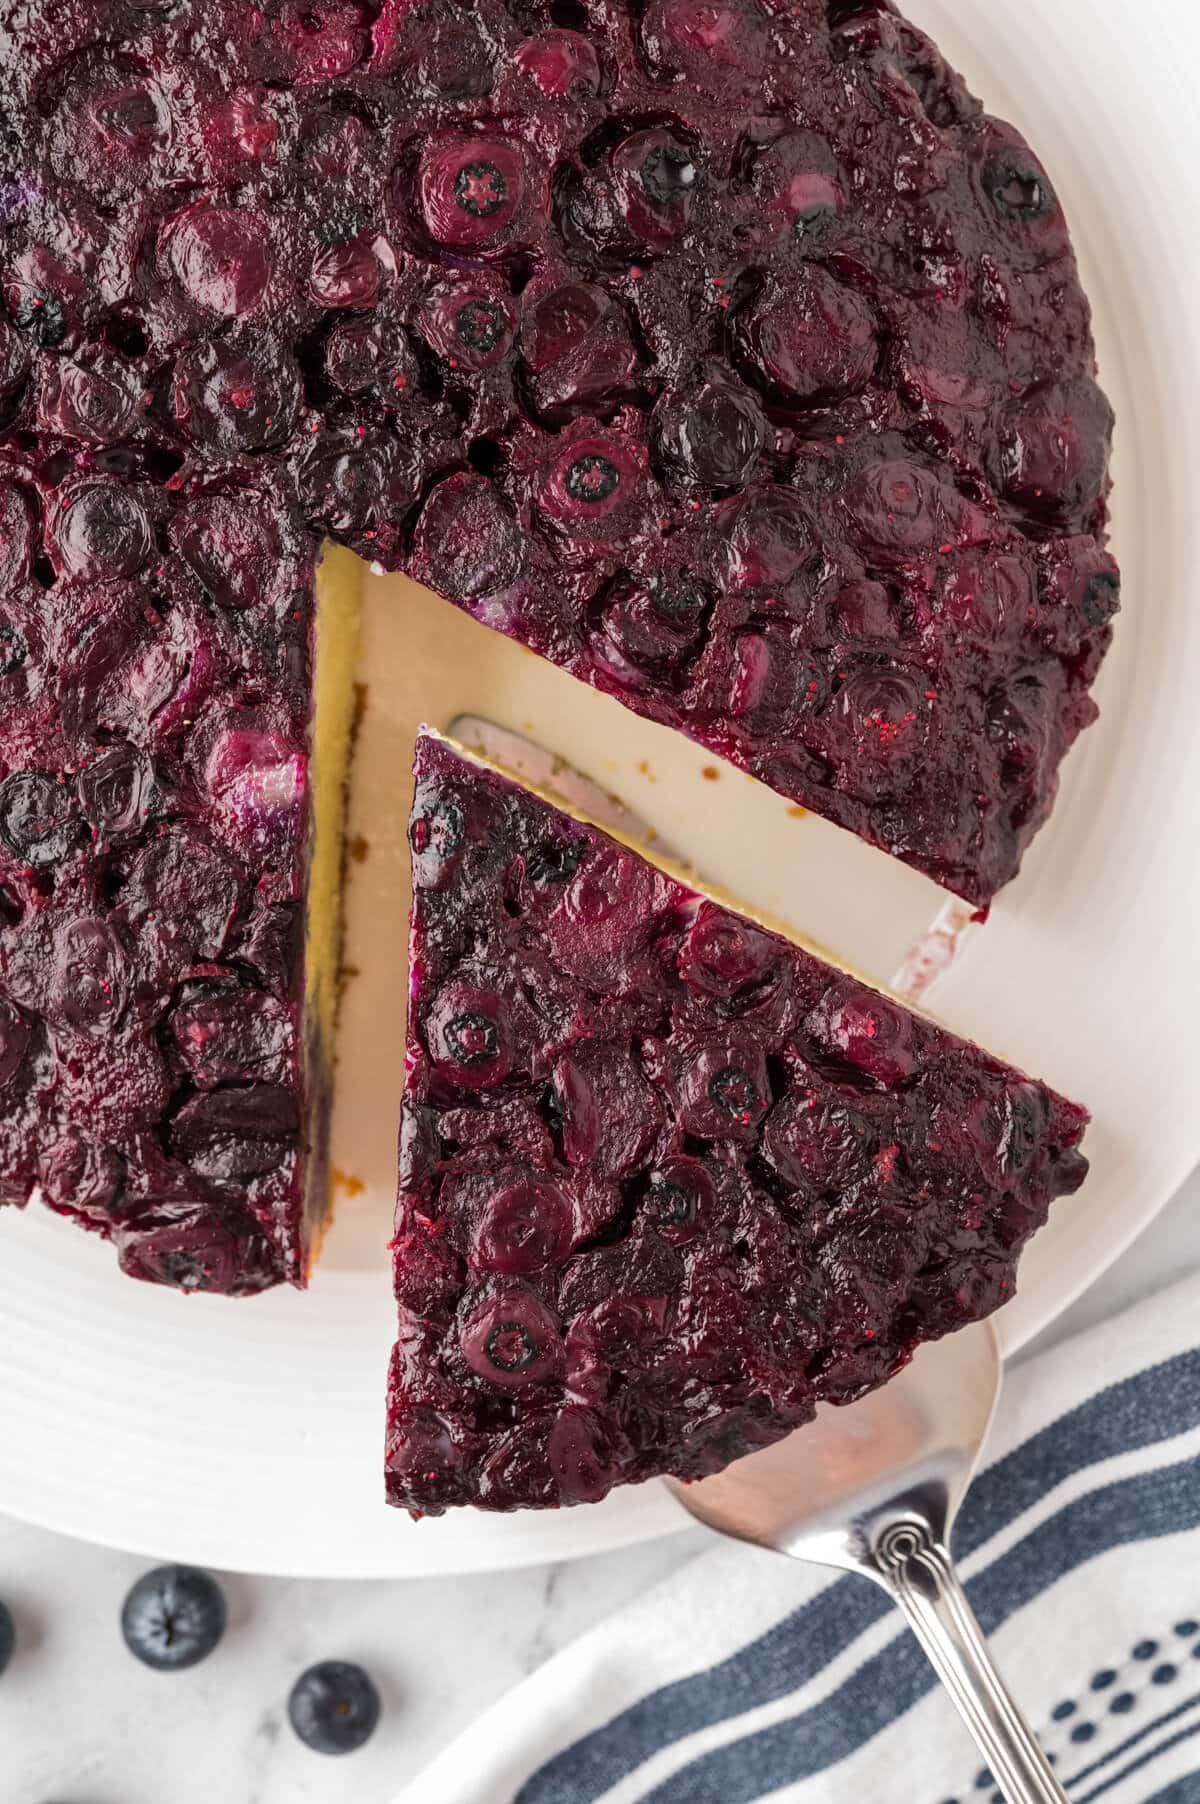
[(667, 1179)]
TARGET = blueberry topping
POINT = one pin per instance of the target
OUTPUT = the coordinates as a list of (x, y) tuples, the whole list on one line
[(480, 324), (185, 1270), (480, 189), (334, 1707), (468, 543), (725, 1183), (173, 1618), (592, 478), (843, 12), (232, 1135), (14, 360), (13, 649), (8, 1637), (668, 173), (578, 350), (15, 1034), (43, 317), (606, 323)]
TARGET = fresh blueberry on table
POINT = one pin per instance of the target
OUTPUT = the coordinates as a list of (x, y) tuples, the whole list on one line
[(8, 1636), (173, 1618), (334, 1707)]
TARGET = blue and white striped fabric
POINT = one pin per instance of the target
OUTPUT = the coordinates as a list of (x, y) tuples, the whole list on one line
[(746, 1676)]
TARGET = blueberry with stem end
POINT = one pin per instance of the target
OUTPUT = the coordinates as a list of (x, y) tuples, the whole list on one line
[(44, 319), (592, 478), (480, 189), (472, 1038), (334, 1707), (480, 325), (173, 1618), (668, 173)]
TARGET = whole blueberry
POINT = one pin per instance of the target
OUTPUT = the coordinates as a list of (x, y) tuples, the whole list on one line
[(173, 1617), (8, 1636), (334, 1707)]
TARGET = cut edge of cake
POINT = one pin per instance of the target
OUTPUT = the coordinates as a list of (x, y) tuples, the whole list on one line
[(678, 869)]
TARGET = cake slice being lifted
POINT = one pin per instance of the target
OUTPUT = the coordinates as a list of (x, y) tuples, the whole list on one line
[(667, 1180)]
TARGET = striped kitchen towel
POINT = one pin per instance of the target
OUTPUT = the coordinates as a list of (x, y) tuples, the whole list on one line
[(747, 1676)]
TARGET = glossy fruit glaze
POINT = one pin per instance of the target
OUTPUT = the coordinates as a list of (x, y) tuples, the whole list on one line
[(728, 355), (666, 1180)]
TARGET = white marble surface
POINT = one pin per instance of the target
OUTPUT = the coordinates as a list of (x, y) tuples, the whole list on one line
[(82, 1723)]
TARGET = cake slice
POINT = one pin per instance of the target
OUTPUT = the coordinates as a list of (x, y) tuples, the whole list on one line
[(667, 1180)]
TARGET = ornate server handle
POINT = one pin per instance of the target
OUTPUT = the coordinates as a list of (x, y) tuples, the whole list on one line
[(915, 1566)]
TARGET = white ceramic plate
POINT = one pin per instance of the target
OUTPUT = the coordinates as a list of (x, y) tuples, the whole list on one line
[(248, 1435)]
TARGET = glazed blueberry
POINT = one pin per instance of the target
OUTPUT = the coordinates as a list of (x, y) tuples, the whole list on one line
[(712, 434), (8, 1637), (667, 1181), (39, 825), (173, 1618), (334, 1707)]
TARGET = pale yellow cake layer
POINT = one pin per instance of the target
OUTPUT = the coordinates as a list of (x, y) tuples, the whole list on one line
[(339, 595)]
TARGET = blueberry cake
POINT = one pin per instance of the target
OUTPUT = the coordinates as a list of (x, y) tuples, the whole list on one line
[(728, 355), (667, 1180)]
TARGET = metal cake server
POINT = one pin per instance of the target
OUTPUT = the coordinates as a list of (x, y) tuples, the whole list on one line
[(874, 1488)]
